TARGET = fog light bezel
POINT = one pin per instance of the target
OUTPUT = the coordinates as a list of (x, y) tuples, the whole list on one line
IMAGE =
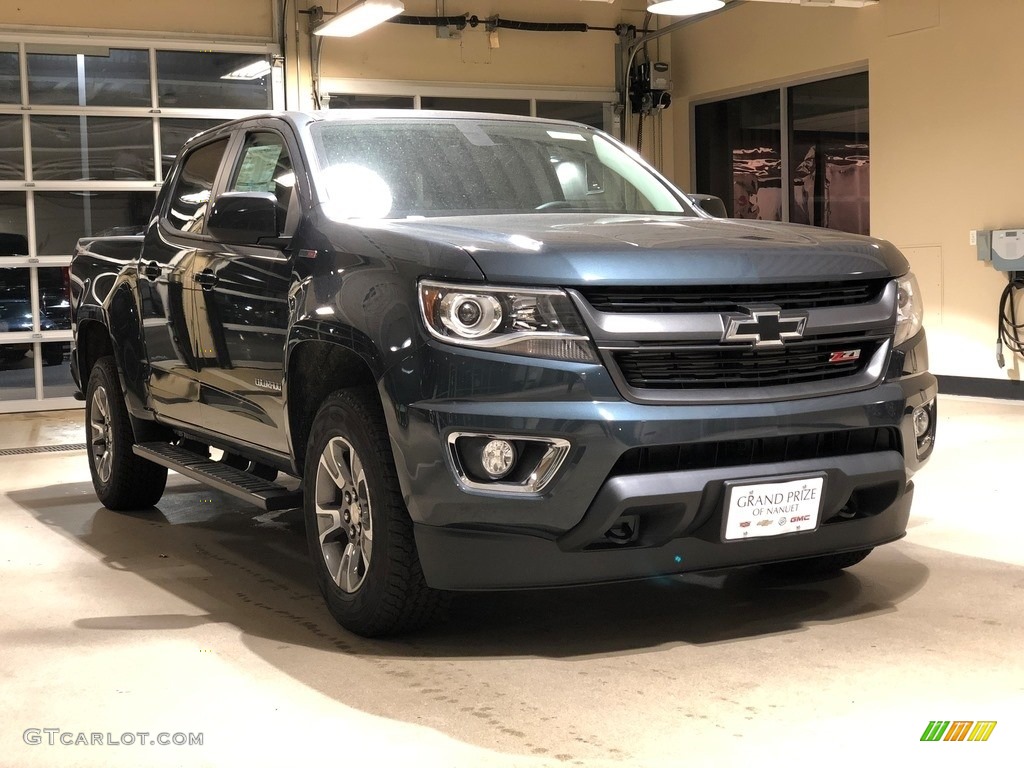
[(546, 454), (926, 440)]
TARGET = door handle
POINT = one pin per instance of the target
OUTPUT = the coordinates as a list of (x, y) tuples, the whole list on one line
[(152, 270), (207, 279)]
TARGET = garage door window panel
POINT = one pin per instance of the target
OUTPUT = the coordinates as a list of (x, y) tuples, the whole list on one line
[(63, 217), (10, 74), (201, 80), (98, 77), (13, 225), (91, 148)]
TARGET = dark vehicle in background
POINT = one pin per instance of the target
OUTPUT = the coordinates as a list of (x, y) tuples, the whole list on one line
[(498, 353), (16, 315), (16, 308)]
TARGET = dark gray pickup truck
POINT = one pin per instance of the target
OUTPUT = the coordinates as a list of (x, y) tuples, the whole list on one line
[(499, 353)]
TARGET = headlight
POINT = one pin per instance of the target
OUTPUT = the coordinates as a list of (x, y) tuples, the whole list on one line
[(536, 322), (909, 309)]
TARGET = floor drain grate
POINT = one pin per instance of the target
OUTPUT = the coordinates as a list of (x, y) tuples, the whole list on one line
[(42, 449)]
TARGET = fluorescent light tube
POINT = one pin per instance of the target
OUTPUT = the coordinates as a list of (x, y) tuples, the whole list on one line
[(360, 17)]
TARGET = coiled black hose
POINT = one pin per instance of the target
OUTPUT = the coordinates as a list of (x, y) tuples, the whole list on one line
[(1009, 329), (459, 22)]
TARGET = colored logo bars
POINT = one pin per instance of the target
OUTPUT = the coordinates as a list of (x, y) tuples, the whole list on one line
[(958, 730)]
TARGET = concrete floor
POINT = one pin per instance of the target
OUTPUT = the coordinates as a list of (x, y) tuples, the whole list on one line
[(203, 618)]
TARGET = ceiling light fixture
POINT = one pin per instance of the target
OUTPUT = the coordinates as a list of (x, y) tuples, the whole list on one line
[(359, 17), (253, 71), (685, 7)]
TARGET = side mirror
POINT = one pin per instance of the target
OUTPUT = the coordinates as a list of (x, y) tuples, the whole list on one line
[(709, 204), (244, 218)]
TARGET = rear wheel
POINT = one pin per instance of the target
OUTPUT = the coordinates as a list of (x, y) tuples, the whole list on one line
[(123, 481), (359, 533), (823, 565)]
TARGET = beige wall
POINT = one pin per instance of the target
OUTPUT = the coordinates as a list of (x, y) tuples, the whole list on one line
[(947, 120), (414, 54), (233, 18), (400, 52)]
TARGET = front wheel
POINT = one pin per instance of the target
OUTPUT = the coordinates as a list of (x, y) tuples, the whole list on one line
[(123, 481), (816, 567), (357, 527)]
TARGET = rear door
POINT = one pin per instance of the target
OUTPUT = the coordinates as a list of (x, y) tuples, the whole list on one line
[(173, 241), (242, 310)]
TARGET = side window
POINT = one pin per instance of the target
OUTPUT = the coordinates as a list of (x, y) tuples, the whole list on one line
[(266, 167), (191, 196)]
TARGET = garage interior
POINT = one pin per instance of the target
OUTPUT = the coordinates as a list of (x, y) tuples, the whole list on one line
[(894, 118)]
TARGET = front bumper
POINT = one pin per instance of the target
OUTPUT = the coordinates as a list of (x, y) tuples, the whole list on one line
[(472, 539)]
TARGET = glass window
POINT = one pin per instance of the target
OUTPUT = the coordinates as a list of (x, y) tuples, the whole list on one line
[(13, 227), (199, 79), (266, 167), (63, 217), (17, 372), (194, 186), (12, 152), (827, 183), (115, 77), (71, 147), (590, 113), (15, 300), (57, 381), (10, 75), (739, 154), (395, 168), (174, 132), (370, 101), (829, 154), (494, 106), (54, 298)]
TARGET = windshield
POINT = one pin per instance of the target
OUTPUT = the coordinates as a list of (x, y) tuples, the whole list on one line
[(455, 166)]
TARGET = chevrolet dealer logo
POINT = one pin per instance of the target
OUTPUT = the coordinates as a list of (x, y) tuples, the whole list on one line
[(763, 327)]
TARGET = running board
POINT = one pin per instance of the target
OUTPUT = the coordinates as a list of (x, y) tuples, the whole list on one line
[(268, 496)]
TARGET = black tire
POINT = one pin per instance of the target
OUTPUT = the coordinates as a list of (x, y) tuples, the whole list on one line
[(123, 481), (383, 591), (815, 567), (53, 354)]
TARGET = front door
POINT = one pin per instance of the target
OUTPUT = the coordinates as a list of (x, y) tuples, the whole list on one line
[(242, 308)]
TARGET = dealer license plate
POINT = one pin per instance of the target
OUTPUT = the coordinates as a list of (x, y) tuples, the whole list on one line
[(772, 509)]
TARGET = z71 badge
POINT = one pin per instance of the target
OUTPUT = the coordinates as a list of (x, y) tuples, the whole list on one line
[(846, 356)]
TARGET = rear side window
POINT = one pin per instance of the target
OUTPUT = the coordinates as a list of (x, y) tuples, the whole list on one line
[(190, 199)]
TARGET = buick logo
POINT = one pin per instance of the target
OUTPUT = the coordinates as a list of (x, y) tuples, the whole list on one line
[(763, 327)]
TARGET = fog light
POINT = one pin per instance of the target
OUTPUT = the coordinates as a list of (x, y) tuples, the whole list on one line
[(498, 457), (922, 421)]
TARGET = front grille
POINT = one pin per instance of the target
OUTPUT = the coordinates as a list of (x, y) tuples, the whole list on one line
[(724, 367), (724, 298), (761, 450)]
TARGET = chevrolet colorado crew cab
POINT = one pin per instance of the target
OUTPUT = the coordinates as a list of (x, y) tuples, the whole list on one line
[(497, 353)]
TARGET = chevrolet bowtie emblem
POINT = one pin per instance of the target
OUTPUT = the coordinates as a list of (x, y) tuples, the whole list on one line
[(763, 328)]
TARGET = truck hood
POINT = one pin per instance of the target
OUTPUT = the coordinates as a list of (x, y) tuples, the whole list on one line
[(587, 249)]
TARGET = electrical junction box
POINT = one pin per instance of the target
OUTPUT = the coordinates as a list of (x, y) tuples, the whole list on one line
[(1003, 247)]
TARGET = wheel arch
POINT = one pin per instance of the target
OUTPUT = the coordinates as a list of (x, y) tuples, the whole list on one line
[(92, 341), (318, 366)]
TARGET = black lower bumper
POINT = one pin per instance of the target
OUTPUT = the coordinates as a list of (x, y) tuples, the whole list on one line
[(682, 532)]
